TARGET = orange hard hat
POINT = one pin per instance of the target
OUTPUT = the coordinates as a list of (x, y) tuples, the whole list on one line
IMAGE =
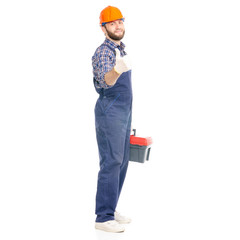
[(110, 14)]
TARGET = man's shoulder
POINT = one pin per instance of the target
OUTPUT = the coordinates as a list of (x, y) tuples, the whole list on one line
[(104, 50)]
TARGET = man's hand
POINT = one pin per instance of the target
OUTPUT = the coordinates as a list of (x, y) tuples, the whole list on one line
[(122, 63)]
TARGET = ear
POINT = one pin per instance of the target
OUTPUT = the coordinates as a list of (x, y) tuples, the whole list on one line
[(104, 29)]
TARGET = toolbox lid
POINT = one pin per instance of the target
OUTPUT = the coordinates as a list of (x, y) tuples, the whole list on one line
[(140, 141)]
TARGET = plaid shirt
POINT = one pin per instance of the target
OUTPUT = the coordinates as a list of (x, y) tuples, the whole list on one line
[(104, 60)]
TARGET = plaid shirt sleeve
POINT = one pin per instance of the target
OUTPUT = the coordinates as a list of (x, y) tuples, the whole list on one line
[(103, 61)]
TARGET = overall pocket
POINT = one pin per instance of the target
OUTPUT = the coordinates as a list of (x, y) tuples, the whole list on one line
[(107, 102)]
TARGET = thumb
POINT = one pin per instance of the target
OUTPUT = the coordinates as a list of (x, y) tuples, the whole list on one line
[(118, 54)]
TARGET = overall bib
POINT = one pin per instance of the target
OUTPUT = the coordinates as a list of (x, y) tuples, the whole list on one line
[(113, 114)]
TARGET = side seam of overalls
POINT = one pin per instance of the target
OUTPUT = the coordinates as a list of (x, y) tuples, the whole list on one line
[(113, 115)]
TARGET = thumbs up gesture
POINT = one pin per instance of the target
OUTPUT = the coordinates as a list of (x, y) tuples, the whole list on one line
[(122, 63)]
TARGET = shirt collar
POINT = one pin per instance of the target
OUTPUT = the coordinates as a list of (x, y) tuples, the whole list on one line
[(114, 45)]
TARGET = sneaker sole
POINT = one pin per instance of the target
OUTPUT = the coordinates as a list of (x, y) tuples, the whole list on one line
[(108, 230)]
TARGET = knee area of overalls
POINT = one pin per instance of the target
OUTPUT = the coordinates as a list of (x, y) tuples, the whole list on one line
[(114, 164)]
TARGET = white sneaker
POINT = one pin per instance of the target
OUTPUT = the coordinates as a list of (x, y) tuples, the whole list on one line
[(110, 226), (121, 219)]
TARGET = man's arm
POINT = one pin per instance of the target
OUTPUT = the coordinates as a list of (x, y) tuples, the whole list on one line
[(122, 65)]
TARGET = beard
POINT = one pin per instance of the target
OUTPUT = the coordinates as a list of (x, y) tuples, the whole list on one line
[(114, 36)]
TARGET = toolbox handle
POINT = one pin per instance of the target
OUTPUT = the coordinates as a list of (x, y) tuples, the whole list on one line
[(134, 132)]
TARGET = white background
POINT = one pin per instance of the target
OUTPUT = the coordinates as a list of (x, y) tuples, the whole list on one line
[(185, 57)]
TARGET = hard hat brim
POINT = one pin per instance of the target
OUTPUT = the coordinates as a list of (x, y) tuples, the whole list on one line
[(104, 23)]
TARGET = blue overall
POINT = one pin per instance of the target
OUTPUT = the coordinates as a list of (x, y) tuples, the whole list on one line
[(113, 113)]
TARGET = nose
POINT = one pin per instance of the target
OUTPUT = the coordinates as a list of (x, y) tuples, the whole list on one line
[(117, 25)]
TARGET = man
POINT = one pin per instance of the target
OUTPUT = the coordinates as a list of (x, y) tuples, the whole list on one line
[(113, 111)]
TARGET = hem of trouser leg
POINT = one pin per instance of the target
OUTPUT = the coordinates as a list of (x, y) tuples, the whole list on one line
[(100, 220)]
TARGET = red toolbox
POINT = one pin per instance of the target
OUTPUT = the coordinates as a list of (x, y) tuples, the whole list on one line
[(139, 148)]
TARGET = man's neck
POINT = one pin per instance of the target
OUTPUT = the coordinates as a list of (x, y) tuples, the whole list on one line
[(118, 42)]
